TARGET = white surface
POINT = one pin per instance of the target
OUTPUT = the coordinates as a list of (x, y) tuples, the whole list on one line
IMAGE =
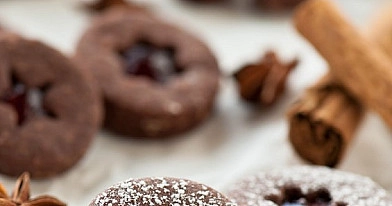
[(237, 139)]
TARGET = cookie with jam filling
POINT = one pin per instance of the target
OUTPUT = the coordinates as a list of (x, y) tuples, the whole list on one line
[(49, 109), (156, 79), (308, 186)]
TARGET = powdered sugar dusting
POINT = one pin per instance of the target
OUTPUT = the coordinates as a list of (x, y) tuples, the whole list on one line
[(344, 187), (160, 191)]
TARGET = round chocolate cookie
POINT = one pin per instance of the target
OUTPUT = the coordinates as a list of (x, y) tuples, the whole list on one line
[(277, 4), (204, 1), (270, 5), (156, 79), (49, 109), (160, 191), (307, 185)]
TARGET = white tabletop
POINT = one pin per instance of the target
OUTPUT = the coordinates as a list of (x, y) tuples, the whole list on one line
[(237, 139)]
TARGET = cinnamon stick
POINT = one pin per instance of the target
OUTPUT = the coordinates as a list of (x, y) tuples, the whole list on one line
[(357, 63), (380, 29), (323, 122), (327, 97)]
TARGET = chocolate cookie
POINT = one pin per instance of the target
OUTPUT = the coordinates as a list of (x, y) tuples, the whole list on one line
[(204, 1), (156, 79), (160, 191), (277, 4), (49, 109), (101, 5), (271, 5), (306, 185)]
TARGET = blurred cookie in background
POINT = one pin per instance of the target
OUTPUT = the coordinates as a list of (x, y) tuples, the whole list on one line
[(49, 109), (157, 80), (265, 5), (101, 5), (277, 5)]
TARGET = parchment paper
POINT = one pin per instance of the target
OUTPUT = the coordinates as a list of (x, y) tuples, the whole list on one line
[(237, 139)]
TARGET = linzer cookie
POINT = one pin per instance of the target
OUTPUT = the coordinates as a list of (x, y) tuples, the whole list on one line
[(270, 5), (160, 191), (204, 1), (101, 5), (49, 109), (156, 79), (306, 185), (278, 4), (323, 122)]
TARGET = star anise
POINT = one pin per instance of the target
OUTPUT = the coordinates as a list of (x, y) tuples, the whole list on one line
[(21, 195), (264, 81)]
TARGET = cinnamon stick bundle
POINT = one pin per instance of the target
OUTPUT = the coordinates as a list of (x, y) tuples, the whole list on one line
[(357, 63), (323, 122), (317, 132)]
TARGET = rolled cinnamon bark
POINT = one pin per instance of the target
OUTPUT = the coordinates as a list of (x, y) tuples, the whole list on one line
[(357, 63), (380, 29), (309, 133), (323, 122)]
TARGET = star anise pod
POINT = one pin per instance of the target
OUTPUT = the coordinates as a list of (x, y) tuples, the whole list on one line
[(21, 195), (264, 82)]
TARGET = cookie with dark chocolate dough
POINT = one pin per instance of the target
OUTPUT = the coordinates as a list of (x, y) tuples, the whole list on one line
[(156, 79), (160, 191), (49, 109), (276, 5), (308, 185), (266, 5), (204, 1)]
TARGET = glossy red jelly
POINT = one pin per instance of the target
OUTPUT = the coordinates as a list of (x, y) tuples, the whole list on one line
[(16, 97), (293, 196), (25, 101), (150, 61)]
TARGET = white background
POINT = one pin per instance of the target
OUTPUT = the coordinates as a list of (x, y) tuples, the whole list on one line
[(237, 139)]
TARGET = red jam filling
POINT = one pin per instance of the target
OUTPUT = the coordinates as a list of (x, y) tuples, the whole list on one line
[(16, 97), (26, 102), (293, 196), (150, 61)]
